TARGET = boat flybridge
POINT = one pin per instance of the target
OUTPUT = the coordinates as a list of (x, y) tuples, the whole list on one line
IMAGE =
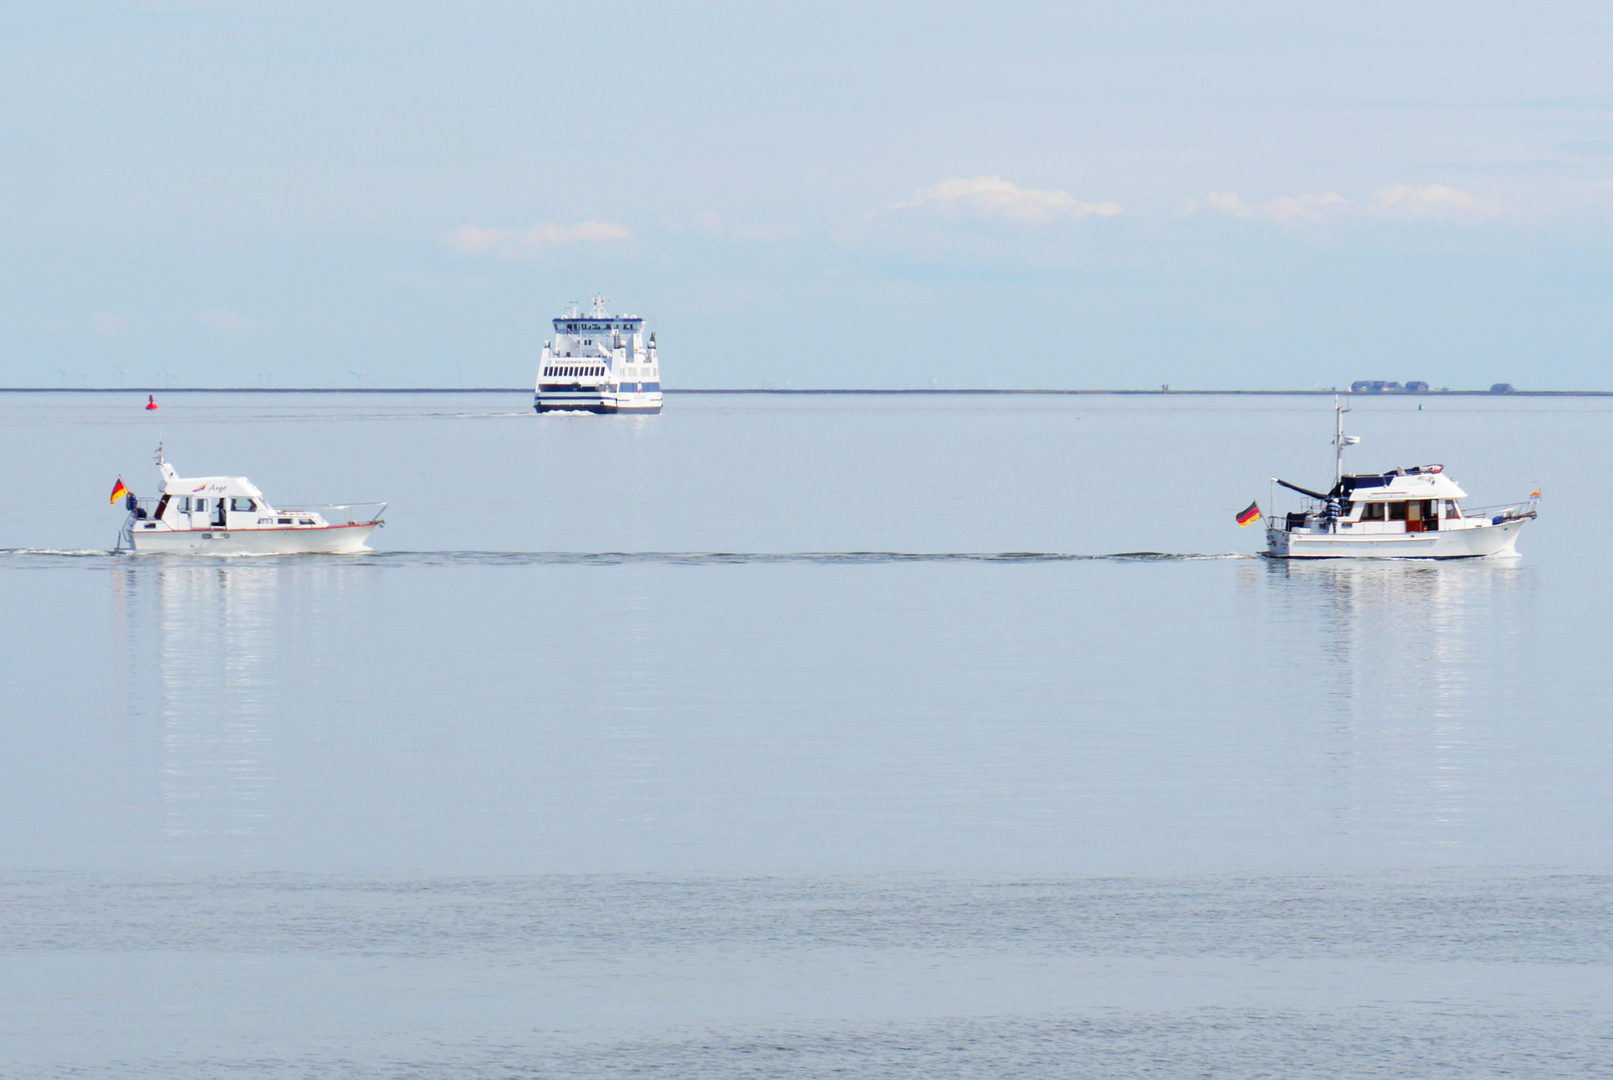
[(227, 515), (1407, 513), (599, 363)]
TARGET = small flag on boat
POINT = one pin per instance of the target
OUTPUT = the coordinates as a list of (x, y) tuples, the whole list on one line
[(118, 491), (1252, 514), (151, 402), (1535, 494)]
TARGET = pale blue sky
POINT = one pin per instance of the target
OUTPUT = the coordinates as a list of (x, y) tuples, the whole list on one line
[(1262, 195)]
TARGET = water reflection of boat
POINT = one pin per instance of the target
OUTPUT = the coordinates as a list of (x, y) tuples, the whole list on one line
[(1407, 513), (206, 650), (228, 515)]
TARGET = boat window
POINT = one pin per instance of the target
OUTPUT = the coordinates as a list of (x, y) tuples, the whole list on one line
[(1372, 512), (240, 504), (1397, 511), (199, 505), (1451, 509)]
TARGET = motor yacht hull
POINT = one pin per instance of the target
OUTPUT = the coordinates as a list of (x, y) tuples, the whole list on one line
[(1448, 544), (327, 539)]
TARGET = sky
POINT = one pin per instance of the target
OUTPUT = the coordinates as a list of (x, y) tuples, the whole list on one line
[(1210, 196)]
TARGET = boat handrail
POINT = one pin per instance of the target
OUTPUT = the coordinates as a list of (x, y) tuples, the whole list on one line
[(327, 511), (1496, 515), (1503, 512)]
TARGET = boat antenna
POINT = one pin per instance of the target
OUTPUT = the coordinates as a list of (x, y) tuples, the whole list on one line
[(159, 451)]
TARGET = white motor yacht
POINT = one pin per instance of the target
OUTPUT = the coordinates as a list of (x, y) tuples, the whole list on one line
[(1407, 513), (228, 515)]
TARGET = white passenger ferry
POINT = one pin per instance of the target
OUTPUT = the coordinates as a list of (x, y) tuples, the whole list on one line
[(228, 515), (599, 363), (1409, 513)]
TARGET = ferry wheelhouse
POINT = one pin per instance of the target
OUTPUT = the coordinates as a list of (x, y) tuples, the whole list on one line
[(599, 363), (228, 515), (1407, 513)]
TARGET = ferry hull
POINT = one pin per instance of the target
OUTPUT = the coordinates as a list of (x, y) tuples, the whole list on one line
[(1449, 544), (608, 405), (328, 540)]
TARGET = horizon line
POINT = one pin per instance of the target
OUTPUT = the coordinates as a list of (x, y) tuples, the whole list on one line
[(1161, 392)]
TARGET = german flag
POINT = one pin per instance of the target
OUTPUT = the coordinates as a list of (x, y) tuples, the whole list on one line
[(1252, 514), (118, 491)]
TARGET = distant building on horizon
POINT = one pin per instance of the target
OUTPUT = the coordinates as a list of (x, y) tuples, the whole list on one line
[(1386, 386)]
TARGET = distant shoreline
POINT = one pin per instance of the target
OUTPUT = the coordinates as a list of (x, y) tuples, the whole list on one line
[(931, 391)]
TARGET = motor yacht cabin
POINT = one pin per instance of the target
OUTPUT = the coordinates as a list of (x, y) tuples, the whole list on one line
[(1407, 513), (228, 515)]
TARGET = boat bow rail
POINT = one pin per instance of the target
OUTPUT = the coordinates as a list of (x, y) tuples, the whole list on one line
[(334, 513)]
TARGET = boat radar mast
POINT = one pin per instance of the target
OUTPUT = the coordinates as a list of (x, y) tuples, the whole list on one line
[(1340, 441)]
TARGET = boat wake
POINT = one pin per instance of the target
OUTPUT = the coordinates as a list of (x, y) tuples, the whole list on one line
[(617, 558), (710, 558)]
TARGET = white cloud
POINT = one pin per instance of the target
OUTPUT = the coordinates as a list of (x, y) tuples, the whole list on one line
[(1282, 210), (994, 197), (226, 323), (110, 324), (474, 240), (471, 240), (711, 225), (1400, 203), (1434, 201)]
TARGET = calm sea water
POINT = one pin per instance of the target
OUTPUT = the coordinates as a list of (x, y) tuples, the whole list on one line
[(798, 737)]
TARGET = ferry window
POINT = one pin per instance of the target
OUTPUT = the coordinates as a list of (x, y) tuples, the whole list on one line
[(1397, 511), (1372, 512)]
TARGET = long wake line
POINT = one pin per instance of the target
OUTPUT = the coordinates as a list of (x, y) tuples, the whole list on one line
[(616, 558)]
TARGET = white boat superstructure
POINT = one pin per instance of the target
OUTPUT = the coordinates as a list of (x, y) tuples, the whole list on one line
[(228, 515), (1407, 513), (599, 363)]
